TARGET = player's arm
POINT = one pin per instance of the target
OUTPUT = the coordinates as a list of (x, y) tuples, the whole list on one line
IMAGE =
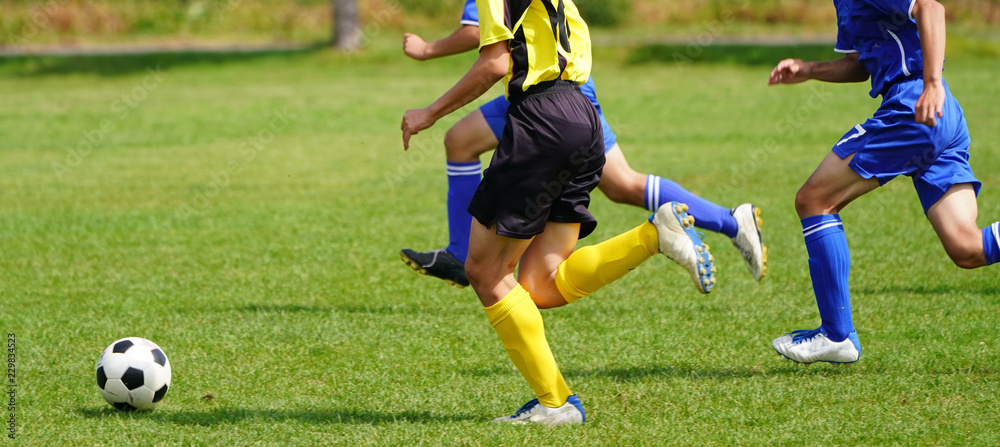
[(490, 67), (463, 39), (929, 15), (845, 69)]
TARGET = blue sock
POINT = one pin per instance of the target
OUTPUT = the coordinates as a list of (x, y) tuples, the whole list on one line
[(707, 215), (463, 179), (991, 243), (829, 266)]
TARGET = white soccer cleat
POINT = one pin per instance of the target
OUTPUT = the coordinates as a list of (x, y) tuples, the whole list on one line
[(570, 412), (748, 240), (809, 346), (680, 242)]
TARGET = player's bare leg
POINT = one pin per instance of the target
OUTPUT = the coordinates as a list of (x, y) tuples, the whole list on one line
[(622, 184), (831, 187), (518, 323), (827, 191), (954, 219), (541, 260), (469, 138)]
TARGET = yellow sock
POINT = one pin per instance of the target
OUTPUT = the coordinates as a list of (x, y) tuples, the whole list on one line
[(519, 325), (590, 268)]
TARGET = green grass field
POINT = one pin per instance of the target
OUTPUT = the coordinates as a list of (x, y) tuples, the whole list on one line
[(245, 213)]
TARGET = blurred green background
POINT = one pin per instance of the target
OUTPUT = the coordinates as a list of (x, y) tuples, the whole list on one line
[(78, 22)]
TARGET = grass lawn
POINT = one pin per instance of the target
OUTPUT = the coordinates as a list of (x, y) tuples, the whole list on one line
[(245, 212)]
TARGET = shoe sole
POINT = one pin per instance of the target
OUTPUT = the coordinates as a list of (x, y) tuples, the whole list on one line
[(796, 362), (763, 248), (705, 261), (419, 269), (844, 364), (758, 223)]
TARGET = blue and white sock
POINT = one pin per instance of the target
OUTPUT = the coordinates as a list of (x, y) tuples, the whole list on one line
[(707, 215), (829, 267), (991, 243), (463, 179)]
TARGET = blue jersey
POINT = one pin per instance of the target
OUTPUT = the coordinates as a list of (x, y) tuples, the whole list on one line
[(470, 15), (884, 35)]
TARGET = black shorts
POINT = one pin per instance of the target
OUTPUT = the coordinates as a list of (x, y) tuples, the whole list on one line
[(548, 161)]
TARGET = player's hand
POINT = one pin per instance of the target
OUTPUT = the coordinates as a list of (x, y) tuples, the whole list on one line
[(414, 46), (789, 71), (415, 120), (930, 105)]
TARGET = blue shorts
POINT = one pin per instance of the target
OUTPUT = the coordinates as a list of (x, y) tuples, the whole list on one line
[(495, 113), (892, 143)]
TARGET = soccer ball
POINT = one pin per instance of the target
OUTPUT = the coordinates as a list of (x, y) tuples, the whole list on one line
[(133, 374)]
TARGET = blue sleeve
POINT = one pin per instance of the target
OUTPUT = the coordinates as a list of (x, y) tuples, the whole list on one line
[(470, 15), (895, 8), (845, 41)]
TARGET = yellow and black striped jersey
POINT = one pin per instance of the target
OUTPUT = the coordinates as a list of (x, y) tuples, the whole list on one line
[(547, 39)]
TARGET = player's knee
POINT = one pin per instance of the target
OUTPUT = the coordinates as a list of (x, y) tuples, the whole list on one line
[(965, 247), (966, 256), (474, 273), (453, 142), (967, 262), (459, 146), (803, 203), (809, 203)]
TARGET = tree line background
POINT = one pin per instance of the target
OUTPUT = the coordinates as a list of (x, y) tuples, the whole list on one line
[(346, 22)]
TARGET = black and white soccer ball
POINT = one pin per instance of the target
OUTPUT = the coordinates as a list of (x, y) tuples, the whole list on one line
[(133, 374)]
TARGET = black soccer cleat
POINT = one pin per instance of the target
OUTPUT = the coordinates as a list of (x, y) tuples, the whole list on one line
[(437, 263)]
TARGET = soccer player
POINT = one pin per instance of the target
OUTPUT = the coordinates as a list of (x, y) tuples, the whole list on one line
[(918, 131), (531, 206), (479, 131)]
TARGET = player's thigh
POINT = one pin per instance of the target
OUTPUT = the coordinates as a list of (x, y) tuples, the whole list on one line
[(619, 181), (491, 261), (541, 260), (954, 220), (469, 138), (832, 186)]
